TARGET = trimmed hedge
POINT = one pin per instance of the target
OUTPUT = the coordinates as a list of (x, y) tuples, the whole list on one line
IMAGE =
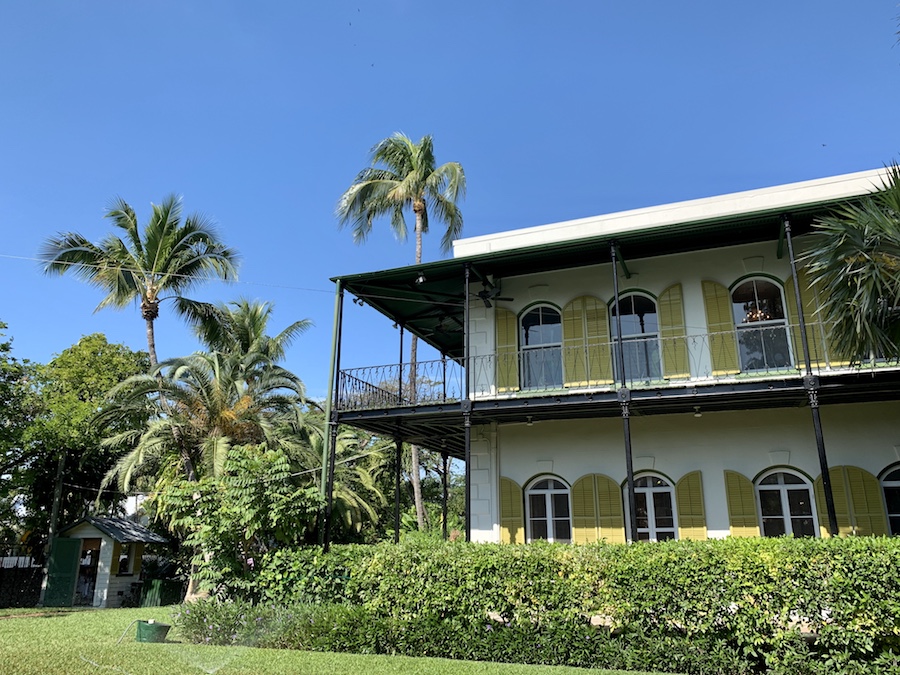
[(787, 605)]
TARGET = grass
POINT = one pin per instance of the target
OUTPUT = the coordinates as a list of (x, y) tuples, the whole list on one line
[(85, 641)]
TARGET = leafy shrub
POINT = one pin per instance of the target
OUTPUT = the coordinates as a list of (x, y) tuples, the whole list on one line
[(734, 605)]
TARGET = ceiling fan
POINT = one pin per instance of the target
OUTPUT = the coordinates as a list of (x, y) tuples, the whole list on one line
[(491, 292)]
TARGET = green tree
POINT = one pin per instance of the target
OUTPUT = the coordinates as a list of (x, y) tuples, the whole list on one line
[(171, 256), (404, 177), (855, 261), (62, 441)]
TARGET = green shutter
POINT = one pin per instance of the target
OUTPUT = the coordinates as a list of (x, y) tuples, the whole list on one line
[(512, 519), (672, 334), (610, 512), (585, 521), (507, 332), (741, 498), (720, 323), (586, 350), (689, 502), (866, 500), (857, 502)]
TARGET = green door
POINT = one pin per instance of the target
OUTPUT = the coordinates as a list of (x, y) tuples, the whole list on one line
[(62, 572)]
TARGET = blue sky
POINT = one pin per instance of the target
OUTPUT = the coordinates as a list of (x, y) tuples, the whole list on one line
[(261, 114)]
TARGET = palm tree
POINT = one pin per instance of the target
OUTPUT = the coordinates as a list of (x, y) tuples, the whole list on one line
[(240, 327), (856, 263), (403, 177), (170, 256)]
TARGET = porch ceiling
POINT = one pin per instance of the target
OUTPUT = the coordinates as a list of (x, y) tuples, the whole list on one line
[(428, 299)]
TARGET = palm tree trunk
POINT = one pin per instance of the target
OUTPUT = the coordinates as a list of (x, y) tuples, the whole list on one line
[(151, 344), (413, 346)]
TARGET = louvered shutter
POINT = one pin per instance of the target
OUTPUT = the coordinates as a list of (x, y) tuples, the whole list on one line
[(512, 519), (720, 323), (741, 498), (507, 332), (611, 513), (689, 502), (672, 334), (585, 523)]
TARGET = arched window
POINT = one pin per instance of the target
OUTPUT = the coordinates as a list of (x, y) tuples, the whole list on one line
[(890, 484), (786, 505), (654, 500), (548, 511), (640, 338), (758, 307), (542, 349)]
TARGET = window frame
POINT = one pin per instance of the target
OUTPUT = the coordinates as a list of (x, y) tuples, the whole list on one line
[(783, 489), (545, 350), (761, 326), (648, 491), (884, 483), (644, 339), (551, 516)]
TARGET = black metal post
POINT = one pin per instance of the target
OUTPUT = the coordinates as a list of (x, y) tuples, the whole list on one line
[(624, 401), (400, 371), (467, 407), (445, 485), (811, 384), (398, 444), (332, 420)]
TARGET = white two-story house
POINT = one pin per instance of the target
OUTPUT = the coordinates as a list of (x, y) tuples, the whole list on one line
[(639, 375)]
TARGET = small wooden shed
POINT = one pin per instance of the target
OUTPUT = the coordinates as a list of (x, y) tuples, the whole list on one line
[(97, 562)]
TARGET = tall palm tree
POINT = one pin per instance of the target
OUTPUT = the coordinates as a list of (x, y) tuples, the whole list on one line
[(403, 177), (170, 256), (855, 261)]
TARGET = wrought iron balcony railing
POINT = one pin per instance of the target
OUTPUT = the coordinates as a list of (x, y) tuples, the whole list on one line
[(750, 352)]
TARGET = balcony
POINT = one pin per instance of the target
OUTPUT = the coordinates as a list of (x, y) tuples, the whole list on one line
[(749, 354)]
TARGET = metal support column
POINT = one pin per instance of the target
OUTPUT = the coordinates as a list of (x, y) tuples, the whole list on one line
[(811, 384), (624, 395), (444, 493), (398, 467), (467, 407), (331, 410)]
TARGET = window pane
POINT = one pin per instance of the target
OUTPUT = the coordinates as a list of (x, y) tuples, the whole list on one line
[(538, 504), (640, 510), (803, 527), (764, 348), (771, 479), (892, 497), (755, 301), (665, 535), (770, 503), (560, 506), (541, 485), (799, 502), (562, 531), (642, 482), (773, 527), (893, 475), (662, 507), (895, 524), (791, 479), (538, 529), (643, 535), (555, 484)]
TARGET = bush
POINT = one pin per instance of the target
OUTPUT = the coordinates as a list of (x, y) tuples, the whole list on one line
[(785, 605)]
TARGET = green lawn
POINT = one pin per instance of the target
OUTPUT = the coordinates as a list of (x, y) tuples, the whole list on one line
[(85, 642)]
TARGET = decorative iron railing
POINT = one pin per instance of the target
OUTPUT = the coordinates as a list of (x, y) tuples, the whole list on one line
[(750, 352)]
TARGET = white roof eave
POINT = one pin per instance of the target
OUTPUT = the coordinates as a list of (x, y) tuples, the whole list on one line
[(761, 200)]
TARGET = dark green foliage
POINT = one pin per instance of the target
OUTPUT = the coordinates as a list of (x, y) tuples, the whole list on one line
[(734, 605)]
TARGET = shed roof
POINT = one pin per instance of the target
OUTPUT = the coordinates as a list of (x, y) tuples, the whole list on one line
[(123, 530)]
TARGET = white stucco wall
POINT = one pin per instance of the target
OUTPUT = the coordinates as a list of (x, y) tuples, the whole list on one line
[(866, 435)]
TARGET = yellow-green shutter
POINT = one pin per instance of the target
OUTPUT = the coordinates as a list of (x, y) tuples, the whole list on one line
[(841, 502), (689, 502), (867, 504), (507, 332), (610, 512), (116, 554), (741, 498), (586, 350), (857, 502), (672, 333), (512, 518), (720, 323), (585, 520)]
